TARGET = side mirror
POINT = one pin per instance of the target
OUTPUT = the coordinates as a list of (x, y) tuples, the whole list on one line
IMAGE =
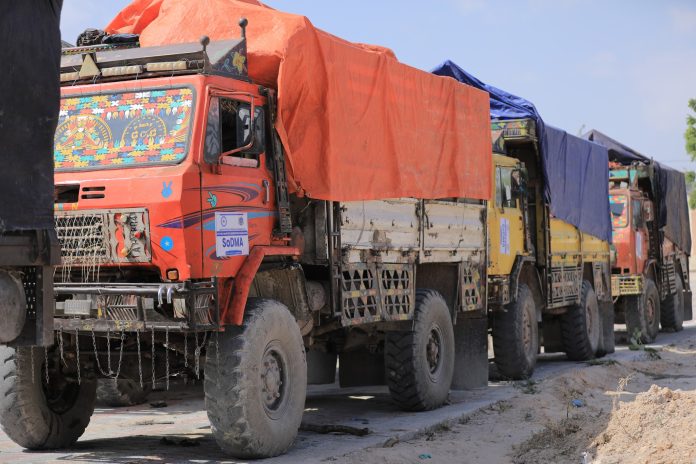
[(648, 213)]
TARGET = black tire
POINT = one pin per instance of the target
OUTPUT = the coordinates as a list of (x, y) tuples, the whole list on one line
[(516, 336), (38, 417), (672, 309), (122, 392), (419, 364), (581, 328), (262, 358), (643, 313)]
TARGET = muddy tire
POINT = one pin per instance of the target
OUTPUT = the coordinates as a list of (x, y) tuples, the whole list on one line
[(672, 309), (255, 394), (121, 392), (581, 328), (643, 313), (38, 416), (516, 336), (419, 363)]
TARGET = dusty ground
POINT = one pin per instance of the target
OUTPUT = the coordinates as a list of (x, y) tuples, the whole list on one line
[(638, 409), (618, 417)]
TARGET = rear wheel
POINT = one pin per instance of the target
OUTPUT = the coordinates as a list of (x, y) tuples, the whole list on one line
[(256, 382), (516, 336), (420, 363), (37, 414), (643, 313), (672, 309), (581, 327)]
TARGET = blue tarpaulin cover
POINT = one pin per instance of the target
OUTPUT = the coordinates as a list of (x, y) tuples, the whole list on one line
[(669, 190), (576, 171)]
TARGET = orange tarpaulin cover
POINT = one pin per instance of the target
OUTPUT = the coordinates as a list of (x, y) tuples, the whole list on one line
[(356, 123)]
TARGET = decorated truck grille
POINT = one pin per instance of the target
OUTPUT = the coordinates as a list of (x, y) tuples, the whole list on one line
[(83, 238), (98, 237)]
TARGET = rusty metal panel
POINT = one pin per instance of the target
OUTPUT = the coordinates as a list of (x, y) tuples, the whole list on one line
[(384, 225), (372, 293), (453, 226), (472, 277)]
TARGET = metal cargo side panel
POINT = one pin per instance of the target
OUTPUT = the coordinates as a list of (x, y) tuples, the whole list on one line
[(452, 230), (565, 243), (385, 225)]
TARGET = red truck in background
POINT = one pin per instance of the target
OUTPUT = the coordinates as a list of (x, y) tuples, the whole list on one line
[(651, 236)]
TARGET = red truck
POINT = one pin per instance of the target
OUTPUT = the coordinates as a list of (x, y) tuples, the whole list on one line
[(651, 235), (179, 234)]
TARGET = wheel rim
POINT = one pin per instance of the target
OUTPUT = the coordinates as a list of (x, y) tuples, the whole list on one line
[(274, 380), (433, 352), (650, 311), (527, 333), (589, 321)]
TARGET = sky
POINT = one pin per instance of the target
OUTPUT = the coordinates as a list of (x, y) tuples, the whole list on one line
[(624, 67)]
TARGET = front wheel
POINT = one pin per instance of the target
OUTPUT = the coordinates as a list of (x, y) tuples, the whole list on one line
[(643, 313), (581, 327), (256, 382), (37, 414), (420, 363), (516, 336)]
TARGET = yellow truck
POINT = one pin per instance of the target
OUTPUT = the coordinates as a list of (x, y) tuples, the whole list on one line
[(549, 284)]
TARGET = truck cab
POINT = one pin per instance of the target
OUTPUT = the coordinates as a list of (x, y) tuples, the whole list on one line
[(649, 281), (506, 219), (631, 211), (163, 184)]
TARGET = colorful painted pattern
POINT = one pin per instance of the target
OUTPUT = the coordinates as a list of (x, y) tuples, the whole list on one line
[(619, 216), (123, 129)]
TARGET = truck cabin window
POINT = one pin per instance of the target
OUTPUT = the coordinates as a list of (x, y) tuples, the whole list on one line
[(617, 205), (637, 210), (229, 128), (507, 187)]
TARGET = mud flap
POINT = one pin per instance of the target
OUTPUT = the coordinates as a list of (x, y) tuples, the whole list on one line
[(321, 367), (470, 353), (688, 311), (607, 341)]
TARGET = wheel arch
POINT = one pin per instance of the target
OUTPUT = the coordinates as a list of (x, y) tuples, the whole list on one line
[(524, 271)]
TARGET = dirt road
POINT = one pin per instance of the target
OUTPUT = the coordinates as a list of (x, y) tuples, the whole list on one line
[(608, 410), (633, 407)]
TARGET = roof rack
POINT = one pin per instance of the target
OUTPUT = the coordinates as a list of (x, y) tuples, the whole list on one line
[(128, 60)]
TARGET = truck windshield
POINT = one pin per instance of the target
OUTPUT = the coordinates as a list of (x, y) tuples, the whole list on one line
[(123, 129), (617, 204)]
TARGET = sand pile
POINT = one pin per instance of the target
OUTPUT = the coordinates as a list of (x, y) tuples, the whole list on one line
[(659, 426)]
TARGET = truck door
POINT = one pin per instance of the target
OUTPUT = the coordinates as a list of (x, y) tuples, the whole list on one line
[(639, 225), (236, 184), (506, 227)]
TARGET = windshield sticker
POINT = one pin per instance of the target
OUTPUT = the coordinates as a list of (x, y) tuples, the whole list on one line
[(123, 129), (231, 234)]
